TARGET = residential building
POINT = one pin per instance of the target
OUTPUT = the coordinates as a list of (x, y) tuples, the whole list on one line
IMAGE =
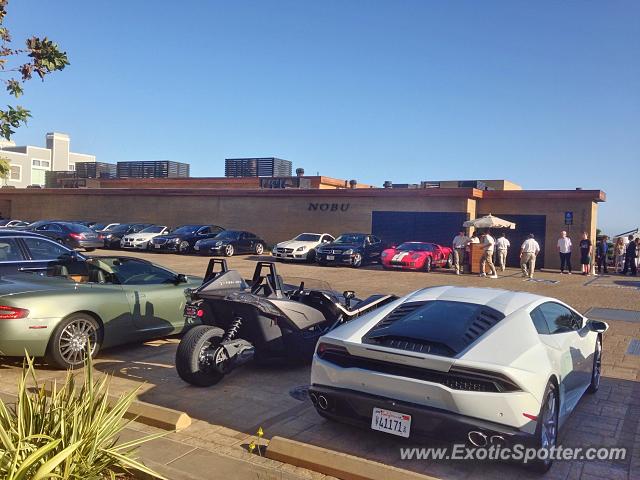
[(29, 164), (257, 167)]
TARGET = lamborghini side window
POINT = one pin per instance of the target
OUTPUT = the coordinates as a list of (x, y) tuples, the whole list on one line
[(539, 321), (559, 318)]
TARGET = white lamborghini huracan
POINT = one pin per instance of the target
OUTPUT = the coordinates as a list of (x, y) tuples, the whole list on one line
[(483, 365)]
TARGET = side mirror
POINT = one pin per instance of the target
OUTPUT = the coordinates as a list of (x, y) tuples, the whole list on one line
[(349, 294), (597, 326), (181, 278)]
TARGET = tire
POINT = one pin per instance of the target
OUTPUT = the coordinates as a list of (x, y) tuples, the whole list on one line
[(65, 350), (449, 261), (357, 260), (184, 247), (259, 249), (596, 372), (187, 356), (428, 264), (547, 434), (229, 250)]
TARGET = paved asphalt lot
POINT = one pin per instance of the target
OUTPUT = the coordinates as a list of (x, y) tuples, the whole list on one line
[(255, 396)]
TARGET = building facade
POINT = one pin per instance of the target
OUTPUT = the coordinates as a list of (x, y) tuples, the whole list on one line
[(29, 164), (395, 215), (257, 167)]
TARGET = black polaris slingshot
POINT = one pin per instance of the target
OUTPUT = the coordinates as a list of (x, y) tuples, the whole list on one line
[(259, 319)]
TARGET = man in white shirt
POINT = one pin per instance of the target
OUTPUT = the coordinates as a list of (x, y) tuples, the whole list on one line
[(459, 245), (502, 244), (528, 252), (564, 248), (487, 256)]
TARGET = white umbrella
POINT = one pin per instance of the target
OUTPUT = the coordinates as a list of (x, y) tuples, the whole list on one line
[(489, 221)]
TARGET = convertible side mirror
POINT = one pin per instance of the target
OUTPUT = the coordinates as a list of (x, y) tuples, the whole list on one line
[(181, 278), (597, 326)]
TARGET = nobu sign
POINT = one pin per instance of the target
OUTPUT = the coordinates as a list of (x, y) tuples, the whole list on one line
[(328, 207)]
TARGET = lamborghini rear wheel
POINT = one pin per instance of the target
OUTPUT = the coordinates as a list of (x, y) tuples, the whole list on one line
[(547, 428)]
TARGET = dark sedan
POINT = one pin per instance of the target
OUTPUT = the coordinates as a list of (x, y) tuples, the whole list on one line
[(71, 235), (183, 238), (353, 249), (230, 242), (111, 238), (27, 252)]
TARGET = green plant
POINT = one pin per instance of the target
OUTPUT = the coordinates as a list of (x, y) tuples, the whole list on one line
[(67, 432), (40, 57)]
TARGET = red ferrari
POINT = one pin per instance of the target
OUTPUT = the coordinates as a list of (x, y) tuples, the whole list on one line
[(417, 256)]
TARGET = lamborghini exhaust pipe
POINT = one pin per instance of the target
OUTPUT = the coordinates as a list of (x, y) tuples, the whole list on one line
[(323, 402), (477, 439), (497, 440)]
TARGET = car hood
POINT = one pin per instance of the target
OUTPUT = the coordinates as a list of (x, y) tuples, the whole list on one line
[(30, 282), (297, 244), (213, 241), (172, 236), (342, 246), (144, 236), (393, 251)]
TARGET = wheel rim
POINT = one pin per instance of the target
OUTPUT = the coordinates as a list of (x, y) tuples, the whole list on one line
[(228, 250), (428, 264), (184, 246), (597, 364), (357, 259), (549, 430), (74, 339), (212, 358), (259, 249)]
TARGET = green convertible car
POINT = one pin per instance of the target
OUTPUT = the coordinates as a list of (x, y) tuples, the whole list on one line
[(102, 302)]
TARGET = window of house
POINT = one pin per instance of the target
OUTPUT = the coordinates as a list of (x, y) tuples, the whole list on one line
[(72, 167), (16, 173), (37, 176)]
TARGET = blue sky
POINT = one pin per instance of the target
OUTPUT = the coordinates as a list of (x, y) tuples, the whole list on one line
[(544, 93)]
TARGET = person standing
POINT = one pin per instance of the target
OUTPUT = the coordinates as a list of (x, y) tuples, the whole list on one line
[(618, 252), (488, 243), (602, 248), (586, 249), (528, 252), (502, 245), (564, 249), (459, 245), (630, 257)]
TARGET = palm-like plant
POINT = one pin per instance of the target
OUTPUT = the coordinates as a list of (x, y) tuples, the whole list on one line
[(68, 432)]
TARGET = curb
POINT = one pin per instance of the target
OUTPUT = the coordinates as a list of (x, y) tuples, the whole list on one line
[(336, 464)]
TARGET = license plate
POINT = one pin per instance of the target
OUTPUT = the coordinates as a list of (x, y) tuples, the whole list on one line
[(157, 246), (391, 422), (191, 311), (331, 257)]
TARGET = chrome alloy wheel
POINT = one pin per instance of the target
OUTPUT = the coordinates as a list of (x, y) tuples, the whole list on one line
[(75, 338)]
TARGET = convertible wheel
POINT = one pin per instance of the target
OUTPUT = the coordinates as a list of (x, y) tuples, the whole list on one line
[(259, 249), (597, 367), (184, 247), (356, 262), (547, 428), (70, 342), (428, 264), (229, 251), (193, 364), (449, 261)]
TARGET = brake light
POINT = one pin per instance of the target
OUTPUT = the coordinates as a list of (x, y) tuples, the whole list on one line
[(200, 313), (12, 313), (531, 416), (77, 236)]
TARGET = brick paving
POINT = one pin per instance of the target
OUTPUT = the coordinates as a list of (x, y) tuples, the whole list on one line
[(226, 416)]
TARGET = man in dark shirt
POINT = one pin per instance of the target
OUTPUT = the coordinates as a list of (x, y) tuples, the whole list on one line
[(601, 254), (630, 257)]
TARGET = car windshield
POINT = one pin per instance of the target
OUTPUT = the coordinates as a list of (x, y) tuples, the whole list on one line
[(415, 246), (121, 228), (309, 283), (227, 235), (133, 270), (186, 229), (308, 237), (350, 238), (153, 229)]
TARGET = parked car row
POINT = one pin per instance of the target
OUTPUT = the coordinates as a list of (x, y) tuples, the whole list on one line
[(350, 249)]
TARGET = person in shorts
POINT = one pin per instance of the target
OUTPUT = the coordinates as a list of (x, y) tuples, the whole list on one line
[(586, 248)]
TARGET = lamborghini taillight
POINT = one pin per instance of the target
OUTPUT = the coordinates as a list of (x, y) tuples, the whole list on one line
[(12, 313)]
